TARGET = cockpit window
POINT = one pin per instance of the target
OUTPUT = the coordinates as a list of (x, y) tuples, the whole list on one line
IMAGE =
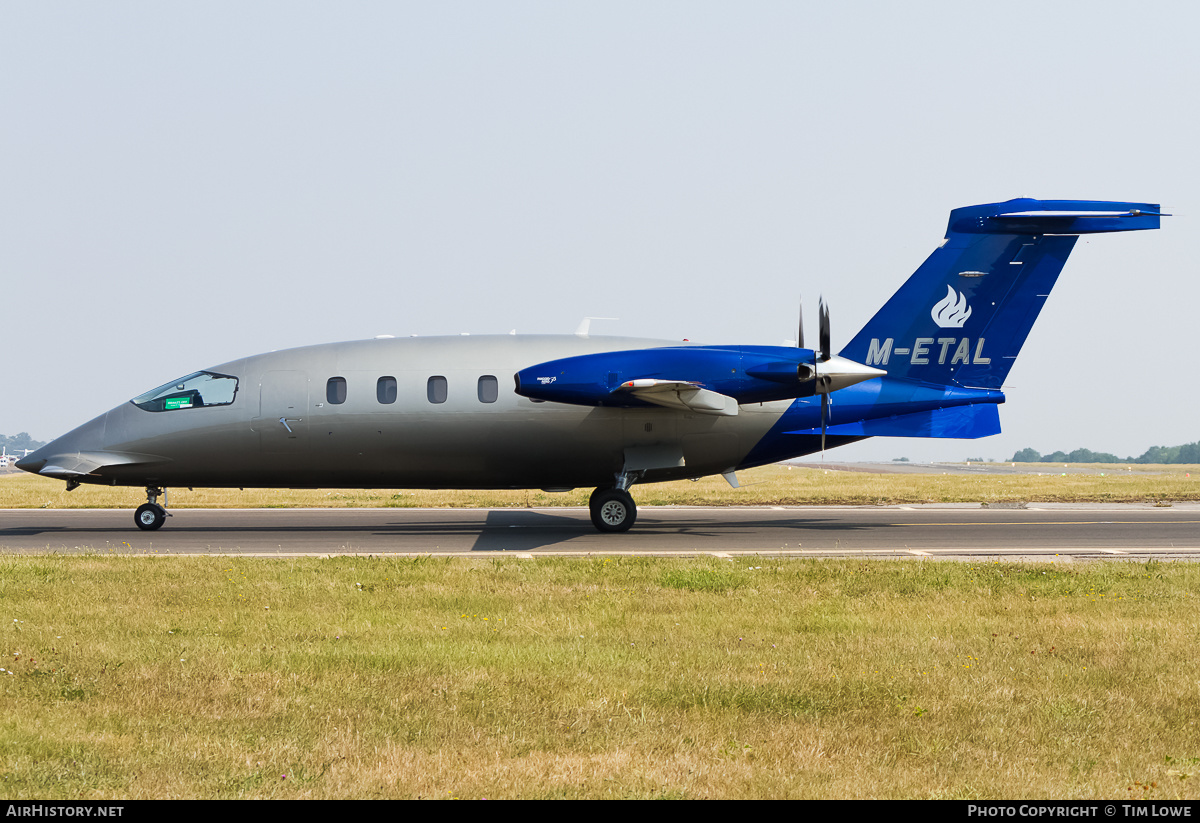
[(204, 388)]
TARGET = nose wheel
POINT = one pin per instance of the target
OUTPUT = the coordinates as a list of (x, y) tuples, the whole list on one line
[(150, 516), (613, 510)]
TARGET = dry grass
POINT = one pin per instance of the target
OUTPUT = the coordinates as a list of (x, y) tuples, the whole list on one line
[(769, 485), (229, 678)]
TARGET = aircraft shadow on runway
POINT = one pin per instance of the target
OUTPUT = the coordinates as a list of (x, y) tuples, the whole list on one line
[(517, 530)]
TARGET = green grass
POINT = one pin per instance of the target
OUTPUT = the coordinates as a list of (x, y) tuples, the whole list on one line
[(352, 677)]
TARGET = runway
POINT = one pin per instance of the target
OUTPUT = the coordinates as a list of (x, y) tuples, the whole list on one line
[(1052, 532)]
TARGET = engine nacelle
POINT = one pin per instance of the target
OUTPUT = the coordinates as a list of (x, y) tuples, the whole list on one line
[(749, 374)]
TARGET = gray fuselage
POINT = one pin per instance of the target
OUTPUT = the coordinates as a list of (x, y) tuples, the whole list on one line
[(280, 430)]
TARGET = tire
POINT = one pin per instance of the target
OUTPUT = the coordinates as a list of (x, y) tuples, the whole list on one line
[(612, 510), (150, 517)]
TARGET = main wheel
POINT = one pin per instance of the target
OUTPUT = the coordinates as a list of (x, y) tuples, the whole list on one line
[(613, 510), (150, 516)]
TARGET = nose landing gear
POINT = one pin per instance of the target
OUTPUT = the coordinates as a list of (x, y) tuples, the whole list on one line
[(150, 516)]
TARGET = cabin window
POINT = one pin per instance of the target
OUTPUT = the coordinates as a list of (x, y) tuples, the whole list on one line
[(436, 389), (385, 390), (489, 389), (203, 388), (335, 391)]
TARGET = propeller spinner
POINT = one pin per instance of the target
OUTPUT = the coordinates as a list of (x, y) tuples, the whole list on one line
[(832, 373)]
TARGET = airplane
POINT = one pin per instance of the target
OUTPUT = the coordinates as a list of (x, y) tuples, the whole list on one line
[(576, 411)]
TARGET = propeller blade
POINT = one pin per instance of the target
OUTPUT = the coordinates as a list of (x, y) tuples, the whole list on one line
[(824, 420), (824, 331), (800, 330)]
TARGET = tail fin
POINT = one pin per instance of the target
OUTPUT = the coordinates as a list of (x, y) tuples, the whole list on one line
[(965, 313)]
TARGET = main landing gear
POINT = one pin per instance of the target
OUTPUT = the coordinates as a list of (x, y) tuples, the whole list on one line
[(150, 516), (613, 509)]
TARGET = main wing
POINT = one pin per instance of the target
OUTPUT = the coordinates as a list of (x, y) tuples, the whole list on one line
[(681, 394)]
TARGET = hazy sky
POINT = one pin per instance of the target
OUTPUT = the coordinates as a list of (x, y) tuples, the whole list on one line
[(186, 183)]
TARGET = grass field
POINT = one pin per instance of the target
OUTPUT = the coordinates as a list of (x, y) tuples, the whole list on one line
[(129, 677), (769, 485), (137, 677)]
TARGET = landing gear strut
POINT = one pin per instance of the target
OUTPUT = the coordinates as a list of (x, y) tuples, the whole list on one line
[(613, 509), (150, 516)]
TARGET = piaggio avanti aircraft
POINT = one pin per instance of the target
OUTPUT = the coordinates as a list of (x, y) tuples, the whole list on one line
[(563, 412)]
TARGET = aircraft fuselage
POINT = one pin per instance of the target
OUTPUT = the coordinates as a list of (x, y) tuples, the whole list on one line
[(281, 430)]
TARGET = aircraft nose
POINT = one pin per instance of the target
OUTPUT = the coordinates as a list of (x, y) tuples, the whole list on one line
[(30, 462), (66, 449)]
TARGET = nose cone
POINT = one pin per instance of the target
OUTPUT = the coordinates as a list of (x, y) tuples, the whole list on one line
[(838, 373), (30, 462), (69, 455)]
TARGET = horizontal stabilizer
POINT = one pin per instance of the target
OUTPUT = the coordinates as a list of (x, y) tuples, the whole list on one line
[(1055, 217), (965, 422), (681, 394)]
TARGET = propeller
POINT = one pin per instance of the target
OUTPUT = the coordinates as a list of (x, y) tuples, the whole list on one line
[(823, 357), (824, 330), (824, 348), (828, 373)]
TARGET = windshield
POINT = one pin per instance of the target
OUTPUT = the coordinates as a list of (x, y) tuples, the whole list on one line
[(204, 388)]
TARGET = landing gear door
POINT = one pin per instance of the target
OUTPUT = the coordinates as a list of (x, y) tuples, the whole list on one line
[(282, 421), (650, 440)]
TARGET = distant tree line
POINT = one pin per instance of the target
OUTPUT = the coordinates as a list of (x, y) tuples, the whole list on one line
[(1187, 453), (20, 441)]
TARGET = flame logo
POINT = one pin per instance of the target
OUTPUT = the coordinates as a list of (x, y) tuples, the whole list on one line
[(951, 311)]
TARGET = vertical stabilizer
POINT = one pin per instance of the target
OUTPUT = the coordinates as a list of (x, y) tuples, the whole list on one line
[(963, 316)]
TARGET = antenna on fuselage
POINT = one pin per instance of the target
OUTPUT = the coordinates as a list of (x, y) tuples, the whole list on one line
[(586, 324)]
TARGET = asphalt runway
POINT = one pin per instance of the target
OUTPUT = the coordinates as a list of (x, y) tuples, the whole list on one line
[(1046, 531)]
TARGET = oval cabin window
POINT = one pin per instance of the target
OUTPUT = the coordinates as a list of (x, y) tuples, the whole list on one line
[(436, 389)]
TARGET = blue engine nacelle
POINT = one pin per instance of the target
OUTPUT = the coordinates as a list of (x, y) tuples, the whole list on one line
[(749, 374)]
